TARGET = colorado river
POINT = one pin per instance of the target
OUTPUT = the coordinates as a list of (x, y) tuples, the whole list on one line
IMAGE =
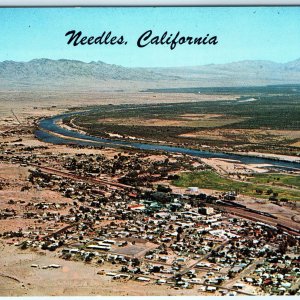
[(49, 131)]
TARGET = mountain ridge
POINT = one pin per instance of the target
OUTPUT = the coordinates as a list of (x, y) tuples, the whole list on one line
[(67, 70)]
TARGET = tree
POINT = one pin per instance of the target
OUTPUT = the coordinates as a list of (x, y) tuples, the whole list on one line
[(179, 230), (259, 191), (231, 274), (24, 246), (135, 262)]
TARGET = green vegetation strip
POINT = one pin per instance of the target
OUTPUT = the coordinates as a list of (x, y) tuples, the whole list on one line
[(211, 180), (276, 179)]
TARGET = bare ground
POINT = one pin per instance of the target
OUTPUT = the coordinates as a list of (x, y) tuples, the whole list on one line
[(18, 278)]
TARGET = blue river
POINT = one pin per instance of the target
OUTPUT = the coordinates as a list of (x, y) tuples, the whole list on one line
[(49, 125)]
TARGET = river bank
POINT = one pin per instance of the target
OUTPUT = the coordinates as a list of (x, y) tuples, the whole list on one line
[(51, 127)]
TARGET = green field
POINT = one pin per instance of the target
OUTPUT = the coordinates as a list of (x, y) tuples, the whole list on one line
[(211, 180), (276, 179)]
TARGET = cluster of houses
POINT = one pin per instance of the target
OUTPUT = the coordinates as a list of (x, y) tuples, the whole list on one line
[(135, 170), (148, 233), (162, 237), (277, 274)]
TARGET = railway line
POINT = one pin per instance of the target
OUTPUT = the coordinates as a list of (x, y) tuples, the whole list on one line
[(53, 171), (243, 212), (256, 217)]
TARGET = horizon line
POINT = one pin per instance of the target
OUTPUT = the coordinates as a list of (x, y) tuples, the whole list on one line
[(149, 67)]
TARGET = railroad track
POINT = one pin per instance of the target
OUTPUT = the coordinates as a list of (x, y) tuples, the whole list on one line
[(81, 178), (261, 218)]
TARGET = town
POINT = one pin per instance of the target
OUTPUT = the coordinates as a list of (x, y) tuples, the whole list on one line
[(118, 210)]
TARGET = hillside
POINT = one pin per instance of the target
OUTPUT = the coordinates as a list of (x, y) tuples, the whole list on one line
[(63, 69), (257, 71), (44, 73)]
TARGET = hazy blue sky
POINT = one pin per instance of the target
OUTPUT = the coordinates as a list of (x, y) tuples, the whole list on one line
[(270, 33)]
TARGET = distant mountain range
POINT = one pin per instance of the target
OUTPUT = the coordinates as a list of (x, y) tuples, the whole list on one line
[(242, 70), (249, 72), (48, 69)]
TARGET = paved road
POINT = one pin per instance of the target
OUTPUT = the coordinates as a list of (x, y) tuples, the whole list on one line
[(247, 271)]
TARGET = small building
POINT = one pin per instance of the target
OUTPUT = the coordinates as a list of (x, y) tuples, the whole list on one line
[(206, 210), (193, 189), (211, 289), (144, 279)]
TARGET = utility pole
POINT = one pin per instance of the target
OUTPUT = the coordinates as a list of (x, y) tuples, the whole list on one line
[(15, 117)]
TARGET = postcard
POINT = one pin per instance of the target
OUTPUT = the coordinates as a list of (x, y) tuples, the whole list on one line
[(150, 151)]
